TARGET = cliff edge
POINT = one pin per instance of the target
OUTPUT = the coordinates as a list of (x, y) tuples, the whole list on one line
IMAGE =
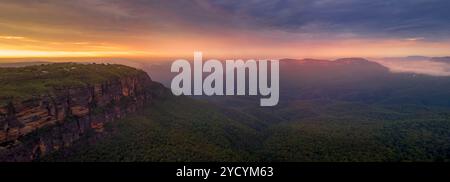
[(48, 107)]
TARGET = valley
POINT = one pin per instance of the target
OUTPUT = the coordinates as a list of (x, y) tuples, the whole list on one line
[(348, 110)]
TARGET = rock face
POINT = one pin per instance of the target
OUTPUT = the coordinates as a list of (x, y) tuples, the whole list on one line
[(34, 127)]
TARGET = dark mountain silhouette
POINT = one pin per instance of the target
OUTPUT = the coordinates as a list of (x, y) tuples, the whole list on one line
[(441, 59), (22, 64)]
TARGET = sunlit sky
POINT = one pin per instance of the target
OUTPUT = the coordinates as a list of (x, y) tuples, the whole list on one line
[(229, 28)]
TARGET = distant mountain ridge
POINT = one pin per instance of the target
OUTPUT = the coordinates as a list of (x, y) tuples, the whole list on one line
[(441, 59), (22, 64), (444, 59)]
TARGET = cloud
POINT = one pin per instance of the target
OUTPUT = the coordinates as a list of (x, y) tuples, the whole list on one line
[(324, 19), (158, 24), (390, 18), (415, 38), (416, 66)]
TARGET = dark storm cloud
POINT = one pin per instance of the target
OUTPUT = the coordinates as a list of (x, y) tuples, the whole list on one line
[(429, 19), (423, 19), (391, 18)]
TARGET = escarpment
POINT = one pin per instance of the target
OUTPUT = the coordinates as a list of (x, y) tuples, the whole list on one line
[(69, 101)]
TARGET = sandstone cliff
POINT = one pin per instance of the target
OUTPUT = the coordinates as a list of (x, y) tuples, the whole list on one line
[(32, 127)]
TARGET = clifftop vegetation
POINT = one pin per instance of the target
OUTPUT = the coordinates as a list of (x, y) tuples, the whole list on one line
[(25, 82)]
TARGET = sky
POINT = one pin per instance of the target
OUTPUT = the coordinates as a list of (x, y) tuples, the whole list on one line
[(224, 29)]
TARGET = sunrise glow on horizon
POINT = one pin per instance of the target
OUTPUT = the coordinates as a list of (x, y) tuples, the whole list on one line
[(269, 29)]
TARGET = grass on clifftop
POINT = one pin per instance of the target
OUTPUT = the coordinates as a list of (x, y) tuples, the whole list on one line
[(25, 82)]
